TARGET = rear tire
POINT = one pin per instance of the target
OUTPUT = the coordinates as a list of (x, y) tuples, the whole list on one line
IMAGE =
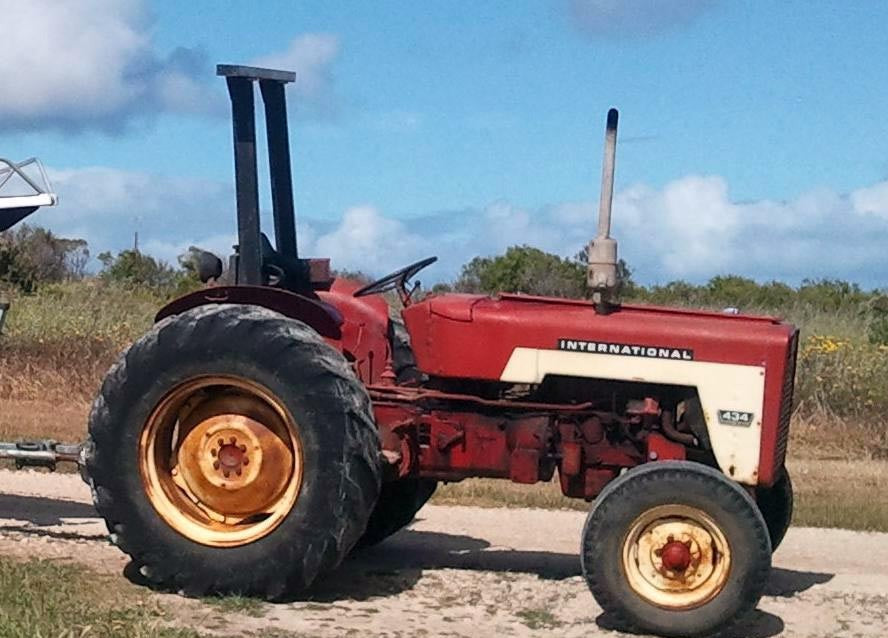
[(676, 549), (398, 503), (333, 453), (776, 504)]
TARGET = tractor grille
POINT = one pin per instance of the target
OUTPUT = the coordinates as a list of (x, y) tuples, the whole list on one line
[(786, 402)]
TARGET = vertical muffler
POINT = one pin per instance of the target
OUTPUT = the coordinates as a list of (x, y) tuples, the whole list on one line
[(603, 277)]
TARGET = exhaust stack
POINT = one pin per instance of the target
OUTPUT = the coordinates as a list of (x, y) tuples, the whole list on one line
[(603, 278)]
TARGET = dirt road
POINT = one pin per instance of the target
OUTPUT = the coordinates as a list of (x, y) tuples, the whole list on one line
[(462, 571)]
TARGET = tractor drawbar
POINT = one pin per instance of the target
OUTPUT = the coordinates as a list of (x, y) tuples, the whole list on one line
[(47, 453)]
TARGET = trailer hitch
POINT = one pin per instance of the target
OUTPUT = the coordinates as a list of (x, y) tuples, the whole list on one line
[(47, 453)]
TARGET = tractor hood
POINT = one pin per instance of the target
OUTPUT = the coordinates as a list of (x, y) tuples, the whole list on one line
[(474, 336)]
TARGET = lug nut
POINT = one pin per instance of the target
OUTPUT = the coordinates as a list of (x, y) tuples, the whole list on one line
[(215, 465), (246, 461)]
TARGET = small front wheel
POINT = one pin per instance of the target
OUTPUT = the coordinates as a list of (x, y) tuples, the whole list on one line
[(677, 549)]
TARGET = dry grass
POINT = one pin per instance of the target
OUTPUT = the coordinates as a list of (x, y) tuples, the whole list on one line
[(60, 372), (822, 435), (62, 421), (840, 493)]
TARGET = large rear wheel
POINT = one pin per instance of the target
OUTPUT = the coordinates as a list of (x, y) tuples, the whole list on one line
[(398, 503), (675, 548), (232, 450)]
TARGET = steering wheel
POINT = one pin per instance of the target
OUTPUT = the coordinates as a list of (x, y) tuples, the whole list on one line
[(396, 281)]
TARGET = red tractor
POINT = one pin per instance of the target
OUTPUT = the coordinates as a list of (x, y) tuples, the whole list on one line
[(274, 421)]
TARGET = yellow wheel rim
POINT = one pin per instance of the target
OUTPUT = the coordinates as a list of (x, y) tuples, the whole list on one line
[(676, 557), (221, 461)]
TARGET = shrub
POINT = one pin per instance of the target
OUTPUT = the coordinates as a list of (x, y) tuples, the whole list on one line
[(526, 270), (135, 269), (32, 256)]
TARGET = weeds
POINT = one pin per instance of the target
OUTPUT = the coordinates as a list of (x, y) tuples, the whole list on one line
[(538, 619), (41, 598), (245, 605)]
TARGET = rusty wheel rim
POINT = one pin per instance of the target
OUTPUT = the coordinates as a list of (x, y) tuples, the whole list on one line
[(676, 557), (220, 460)]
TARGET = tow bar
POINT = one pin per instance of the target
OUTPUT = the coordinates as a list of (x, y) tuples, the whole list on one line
[(46, 453)]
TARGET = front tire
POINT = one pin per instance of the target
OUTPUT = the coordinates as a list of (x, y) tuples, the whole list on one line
[(675, 548), (776, 505), (231, 450)]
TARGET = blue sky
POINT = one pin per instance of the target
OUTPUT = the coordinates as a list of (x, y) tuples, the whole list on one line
[(752, 139)]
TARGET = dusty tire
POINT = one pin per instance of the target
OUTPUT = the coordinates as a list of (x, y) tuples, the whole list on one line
[(645, 511), (339, 464), (398, 503), (776, 504)]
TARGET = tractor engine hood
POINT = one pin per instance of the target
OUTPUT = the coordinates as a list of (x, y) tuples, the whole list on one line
[(475, 336)]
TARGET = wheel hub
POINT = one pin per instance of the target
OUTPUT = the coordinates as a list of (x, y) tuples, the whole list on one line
[(676, 557), (231, 457), (222, 458), (221, 462)]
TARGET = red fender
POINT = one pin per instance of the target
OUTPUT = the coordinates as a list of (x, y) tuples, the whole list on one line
[(321, 316)]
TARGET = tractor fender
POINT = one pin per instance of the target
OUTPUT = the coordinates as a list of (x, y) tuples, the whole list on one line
[(324, 318)]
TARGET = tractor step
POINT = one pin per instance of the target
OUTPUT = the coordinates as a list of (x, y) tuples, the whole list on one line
[(46, 453)]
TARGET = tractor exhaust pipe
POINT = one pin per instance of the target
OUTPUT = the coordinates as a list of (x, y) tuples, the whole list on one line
[(603, 277)]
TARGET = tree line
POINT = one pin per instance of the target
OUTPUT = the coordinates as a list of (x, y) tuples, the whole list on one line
[(31, 256)]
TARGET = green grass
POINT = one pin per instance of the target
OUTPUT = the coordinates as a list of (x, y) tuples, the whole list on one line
[(538, 619), (237, 605), (90, 309), (44, 599)]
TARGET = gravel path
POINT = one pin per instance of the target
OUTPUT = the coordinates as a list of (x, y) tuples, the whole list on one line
[(465, 571)]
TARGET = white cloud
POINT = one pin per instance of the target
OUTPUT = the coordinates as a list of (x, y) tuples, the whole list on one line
[(873, 199), (89, 64), (366, 240), (690, 228), (107, 206), (617, 18), (92, 64), (311, 57)]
